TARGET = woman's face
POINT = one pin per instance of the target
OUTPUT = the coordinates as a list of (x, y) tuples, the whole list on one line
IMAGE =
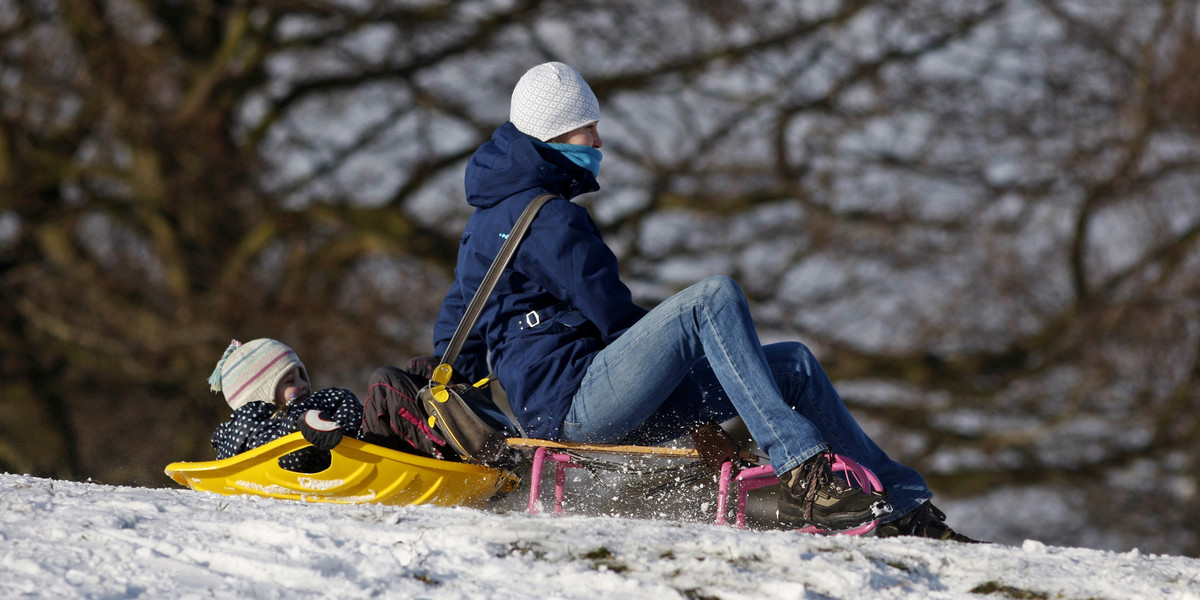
[(588, 135), (292, 386)]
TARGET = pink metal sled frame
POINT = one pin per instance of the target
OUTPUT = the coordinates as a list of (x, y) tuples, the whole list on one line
[(755, 477), (744, 482)]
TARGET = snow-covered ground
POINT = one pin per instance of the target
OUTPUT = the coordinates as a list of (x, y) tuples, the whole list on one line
[(62, 539)]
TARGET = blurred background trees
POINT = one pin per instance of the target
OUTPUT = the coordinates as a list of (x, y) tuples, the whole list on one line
[(984, 216)]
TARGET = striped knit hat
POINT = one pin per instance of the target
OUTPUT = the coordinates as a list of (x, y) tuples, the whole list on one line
[(250, 372), (552, 99)]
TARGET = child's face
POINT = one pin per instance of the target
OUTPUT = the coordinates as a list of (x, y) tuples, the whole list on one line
[(291, 387)]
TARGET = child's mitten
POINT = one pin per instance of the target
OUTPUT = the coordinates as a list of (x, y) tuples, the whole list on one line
[(320, 431)]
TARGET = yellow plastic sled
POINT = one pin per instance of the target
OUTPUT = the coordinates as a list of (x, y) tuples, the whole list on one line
[(359, 473)]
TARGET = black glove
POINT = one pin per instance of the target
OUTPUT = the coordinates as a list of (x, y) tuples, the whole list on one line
[(320, 431), (716, 447), (423, 366)]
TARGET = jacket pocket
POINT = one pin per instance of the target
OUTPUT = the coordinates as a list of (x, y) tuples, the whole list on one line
[(571, 319)]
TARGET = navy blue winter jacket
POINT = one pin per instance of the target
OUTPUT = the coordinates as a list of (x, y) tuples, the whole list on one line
[(562, 270)]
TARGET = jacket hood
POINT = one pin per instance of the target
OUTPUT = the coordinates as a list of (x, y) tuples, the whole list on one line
[(510, 164)]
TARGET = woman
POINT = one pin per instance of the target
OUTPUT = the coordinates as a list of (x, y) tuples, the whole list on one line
[(581, 362)]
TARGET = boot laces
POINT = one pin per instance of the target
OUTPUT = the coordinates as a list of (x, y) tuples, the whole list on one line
[(926, 515), (817, 475)]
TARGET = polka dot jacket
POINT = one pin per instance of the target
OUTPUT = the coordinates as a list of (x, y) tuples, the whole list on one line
[(254, 425)]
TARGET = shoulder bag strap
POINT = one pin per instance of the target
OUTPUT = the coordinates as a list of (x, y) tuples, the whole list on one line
[(442, 373)]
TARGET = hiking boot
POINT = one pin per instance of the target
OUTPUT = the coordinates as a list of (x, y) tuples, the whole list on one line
[(812, 495), (924, 521)]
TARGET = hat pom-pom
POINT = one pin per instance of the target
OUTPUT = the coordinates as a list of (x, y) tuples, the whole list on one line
[(214, 380)]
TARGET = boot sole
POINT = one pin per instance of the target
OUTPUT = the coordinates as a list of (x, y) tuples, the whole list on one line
[(835, 523)]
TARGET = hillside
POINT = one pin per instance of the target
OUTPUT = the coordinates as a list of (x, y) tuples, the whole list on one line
[(61, 539)]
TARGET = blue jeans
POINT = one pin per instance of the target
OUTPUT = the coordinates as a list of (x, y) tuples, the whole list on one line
[(697, 356)]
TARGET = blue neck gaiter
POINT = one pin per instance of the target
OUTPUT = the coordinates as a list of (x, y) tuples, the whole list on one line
[(584, 156)]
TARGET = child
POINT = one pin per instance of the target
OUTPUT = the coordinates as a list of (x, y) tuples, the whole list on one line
[(268, 389)]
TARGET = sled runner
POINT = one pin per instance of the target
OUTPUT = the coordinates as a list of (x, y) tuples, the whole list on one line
[(358, 473), (566, 455)]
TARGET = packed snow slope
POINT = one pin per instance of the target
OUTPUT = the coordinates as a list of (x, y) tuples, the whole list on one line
[(61, 539)]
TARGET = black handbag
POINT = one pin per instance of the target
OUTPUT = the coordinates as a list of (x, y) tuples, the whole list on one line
[(469, 435)]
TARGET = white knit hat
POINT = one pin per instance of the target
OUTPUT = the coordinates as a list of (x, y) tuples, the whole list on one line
[(250, 372), (552, 99)]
